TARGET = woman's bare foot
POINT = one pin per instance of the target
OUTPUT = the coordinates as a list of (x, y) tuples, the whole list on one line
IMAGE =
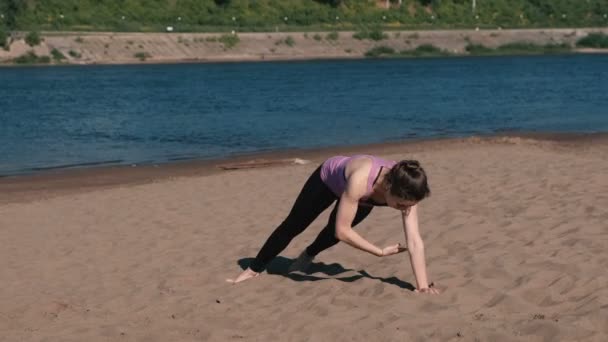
[(246, 274)]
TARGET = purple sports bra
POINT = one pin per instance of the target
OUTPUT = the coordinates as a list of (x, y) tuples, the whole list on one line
[(333, 173)]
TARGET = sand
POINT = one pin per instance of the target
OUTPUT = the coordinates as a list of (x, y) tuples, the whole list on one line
[(515, 234)]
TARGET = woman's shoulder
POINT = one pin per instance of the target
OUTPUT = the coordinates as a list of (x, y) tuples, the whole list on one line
[(361, 160), (359, 166)]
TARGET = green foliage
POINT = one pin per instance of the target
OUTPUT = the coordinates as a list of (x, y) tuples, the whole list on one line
[(332, 36), (229, 40), (3, 38), (518, 48), (12, 9), (57, 55), (142, 55), (379, 51), (74, 54), (478, 49), (32, 58), (594, 40), (33, 38), (291, 15), (374, 34), (424, 50), (289, 41)]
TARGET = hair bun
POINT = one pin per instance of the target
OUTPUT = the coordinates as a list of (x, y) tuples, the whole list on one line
[(412, 164)]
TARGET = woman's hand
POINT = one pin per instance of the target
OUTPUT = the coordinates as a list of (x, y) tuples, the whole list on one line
[(428, 290), (394, 249)]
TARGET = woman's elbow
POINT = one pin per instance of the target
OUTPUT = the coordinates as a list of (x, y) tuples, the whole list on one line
[(341, 234)]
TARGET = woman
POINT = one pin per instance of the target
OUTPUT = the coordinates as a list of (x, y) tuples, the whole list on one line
[(357, 183)]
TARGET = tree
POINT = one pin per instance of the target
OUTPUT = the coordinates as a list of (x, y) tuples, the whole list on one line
[(11, 10), (3, 37)]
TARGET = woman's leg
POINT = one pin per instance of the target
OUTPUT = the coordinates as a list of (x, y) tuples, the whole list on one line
[(314, 198), (327, 237)]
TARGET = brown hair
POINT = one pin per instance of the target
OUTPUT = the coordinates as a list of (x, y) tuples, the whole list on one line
[(407, 180)]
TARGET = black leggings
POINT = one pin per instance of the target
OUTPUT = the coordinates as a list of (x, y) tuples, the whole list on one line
[(314, 198)]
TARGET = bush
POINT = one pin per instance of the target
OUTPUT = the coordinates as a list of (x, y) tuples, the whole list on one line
[(518, 48), (317, 37), (425, 50), (74, 54), (478, 49), (32, 58), (374, 34), (32, 39), (594, 40), (289, 41), (529, 48), (57, 55), (332, 36), (556, 48), (142, 55), (3, 38), (229, 40), (428, 48), (378, 51)]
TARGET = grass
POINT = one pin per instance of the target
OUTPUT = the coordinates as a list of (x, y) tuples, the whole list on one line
[(289, 41), (479, 49), (3, 38), (33, 38), (229, 40), (380, 51), (594, 40), (74, 54), (374, 34), (32, 58), (425, 50), (142, 55), (518, 48), (57, 55), (332, 36)]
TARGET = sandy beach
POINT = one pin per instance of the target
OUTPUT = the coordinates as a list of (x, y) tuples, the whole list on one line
[(515, 234)]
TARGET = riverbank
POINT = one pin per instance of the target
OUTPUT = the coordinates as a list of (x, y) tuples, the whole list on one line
[(83, 48)]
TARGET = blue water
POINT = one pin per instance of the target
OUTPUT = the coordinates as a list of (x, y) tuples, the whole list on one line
[(56, 117)]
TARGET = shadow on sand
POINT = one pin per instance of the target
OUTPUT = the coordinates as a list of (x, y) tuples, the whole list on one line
[(279, 266)]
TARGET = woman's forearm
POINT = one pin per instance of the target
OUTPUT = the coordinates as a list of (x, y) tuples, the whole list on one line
[(418, 262), (352, 238)]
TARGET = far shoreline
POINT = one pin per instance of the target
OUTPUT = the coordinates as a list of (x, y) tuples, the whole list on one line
[(128, 48)]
